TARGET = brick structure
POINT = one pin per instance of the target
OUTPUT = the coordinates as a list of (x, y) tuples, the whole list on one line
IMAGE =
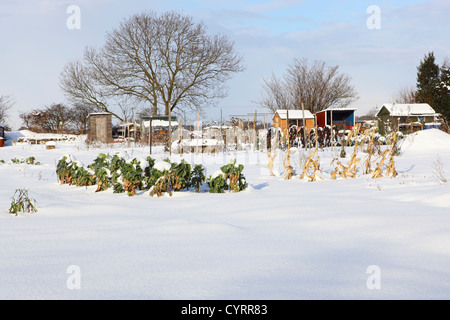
[(100, 127)]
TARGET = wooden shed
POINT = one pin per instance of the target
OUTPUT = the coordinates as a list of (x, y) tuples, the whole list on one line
[(405, 117), (281, 116), (100, 127), (343, 118)]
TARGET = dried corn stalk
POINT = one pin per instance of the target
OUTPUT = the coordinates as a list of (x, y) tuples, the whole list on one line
[(311, 167), (378, 172), (387, 154), (390, 170), (287, 166), (271, 159), (370, 151)]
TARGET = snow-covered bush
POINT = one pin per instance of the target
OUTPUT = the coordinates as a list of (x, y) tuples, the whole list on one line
[(229, 177), (129, 175)]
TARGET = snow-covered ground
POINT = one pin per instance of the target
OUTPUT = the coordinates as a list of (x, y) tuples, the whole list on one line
[(362, 238)]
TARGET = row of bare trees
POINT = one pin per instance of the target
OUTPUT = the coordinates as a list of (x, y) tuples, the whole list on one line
[(58, 118), (164, 63)]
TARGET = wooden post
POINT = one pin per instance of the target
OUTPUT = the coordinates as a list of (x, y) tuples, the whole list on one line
[(180, 127), (198, 130), (304, 127), (315, 120), (287, 127), (150, 130), (332, 131), (254, 131), (170, 132)]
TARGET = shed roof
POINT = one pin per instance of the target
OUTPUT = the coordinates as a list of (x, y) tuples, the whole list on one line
[(294, 114), (408, 109), (339, 109)]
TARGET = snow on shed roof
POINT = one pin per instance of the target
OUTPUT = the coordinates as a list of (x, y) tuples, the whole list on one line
[(159, 123), (340, 109), (294, 114), (407, 109)]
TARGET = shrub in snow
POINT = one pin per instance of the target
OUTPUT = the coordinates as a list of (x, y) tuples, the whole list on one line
[(162, 185), (217, 182), (29, 160), (181, 175), (229, 178), (198, 177), (21, 202), (130, 175)]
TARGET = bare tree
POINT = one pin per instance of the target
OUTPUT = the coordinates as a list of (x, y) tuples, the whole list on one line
[(35, 120), (406, 94), (57, 118), (54, 118), (79, 116), (79, 85), (6, 103), (317, 85), (166, 61)]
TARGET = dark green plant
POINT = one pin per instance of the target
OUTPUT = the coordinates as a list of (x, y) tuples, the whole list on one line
[(217, 183), (103, 176), (198, 177), (234, 177), (181, 175), (162, 185), (82, 177), (132, 175)]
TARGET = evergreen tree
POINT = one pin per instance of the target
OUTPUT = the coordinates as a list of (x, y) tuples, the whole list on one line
[(443, 105), (428, 81), (433, 84)]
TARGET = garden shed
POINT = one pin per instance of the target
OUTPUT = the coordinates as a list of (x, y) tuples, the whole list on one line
[(100, 127), (343, 118), (159, 123), (295, 117), (405, 117)]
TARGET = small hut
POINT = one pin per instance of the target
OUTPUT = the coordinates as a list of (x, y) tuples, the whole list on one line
[(281, 116), (343, 118), (100, 127)]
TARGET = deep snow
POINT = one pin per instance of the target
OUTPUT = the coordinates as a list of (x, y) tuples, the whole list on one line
[(278, 239)]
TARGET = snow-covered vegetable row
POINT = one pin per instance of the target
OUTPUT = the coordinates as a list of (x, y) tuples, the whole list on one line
[(124, 174)]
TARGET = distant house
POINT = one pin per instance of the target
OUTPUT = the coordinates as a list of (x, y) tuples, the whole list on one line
[(159, 123), (281, 116), (343, 118), (406, 117)]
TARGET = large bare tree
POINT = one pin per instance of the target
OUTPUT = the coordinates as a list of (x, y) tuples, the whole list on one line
[(167, 61), (317, 85)]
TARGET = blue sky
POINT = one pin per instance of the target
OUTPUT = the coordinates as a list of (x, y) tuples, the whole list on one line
[(36, 43)]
